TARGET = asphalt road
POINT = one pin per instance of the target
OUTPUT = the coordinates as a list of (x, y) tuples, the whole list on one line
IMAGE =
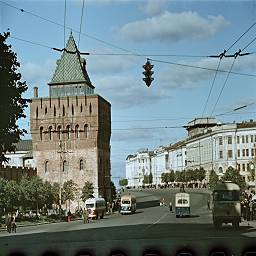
[(152, 227)]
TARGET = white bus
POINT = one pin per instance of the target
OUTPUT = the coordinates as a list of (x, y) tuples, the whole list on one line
[(96, 207), (128, 204), (226, 204), (182, 204)]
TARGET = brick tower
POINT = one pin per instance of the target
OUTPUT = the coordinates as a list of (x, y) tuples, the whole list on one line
[(71, 128)]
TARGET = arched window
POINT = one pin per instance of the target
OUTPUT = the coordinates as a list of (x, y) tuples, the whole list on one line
[(81, 108), (59, 132), (45, 110), (72, 109), (77, 131), (68, 132), (54, 111), (220, 170), (41, 133), (50, 133), (46, 166), (81, 164), (65, 166), (36, 112), (86, 130), (63, 110)]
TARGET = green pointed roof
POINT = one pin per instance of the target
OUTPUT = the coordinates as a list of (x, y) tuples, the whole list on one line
[(71, 68)]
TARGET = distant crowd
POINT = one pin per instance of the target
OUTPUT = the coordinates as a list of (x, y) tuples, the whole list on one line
[(248, 206)]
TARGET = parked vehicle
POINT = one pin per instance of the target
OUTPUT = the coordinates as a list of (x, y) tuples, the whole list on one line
[(96, 207), (128, 204), (226, 204), (182, 204)]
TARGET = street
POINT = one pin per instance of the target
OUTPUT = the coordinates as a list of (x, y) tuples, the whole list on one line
[(151, 227)]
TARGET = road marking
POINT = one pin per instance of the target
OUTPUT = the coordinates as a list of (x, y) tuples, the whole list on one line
[(150, 225)]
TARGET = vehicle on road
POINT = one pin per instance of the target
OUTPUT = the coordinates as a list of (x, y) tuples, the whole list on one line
[(226, 204), (182, 204), (96, 207), (128, 204)]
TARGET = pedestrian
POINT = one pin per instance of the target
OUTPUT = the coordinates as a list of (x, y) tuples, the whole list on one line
[(111, 207), (85, 216), (8, 223), (170, 206), (13, 224)]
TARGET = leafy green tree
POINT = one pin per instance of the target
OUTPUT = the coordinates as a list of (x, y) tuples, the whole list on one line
[(200, 174), (87, 191), (123, 182), (213, 179), (164, 177), (3, 201), (171, 176), (55, 191), (12, 105), (70, 191), (113, 190), (12, 195), (233, 175)]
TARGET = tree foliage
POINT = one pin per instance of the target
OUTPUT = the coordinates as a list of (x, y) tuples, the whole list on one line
[(12, 104), (113, 190), (87, 191), (213, 180), (123, 182), (233, 175)]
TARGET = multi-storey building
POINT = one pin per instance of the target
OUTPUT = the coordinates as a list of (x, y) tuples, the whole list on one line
[(71, 128), (209, 145)]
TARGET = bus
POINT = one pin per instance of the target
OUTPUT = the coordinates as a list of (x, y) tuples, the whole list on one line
[(96, 207), (182, 204), (226, 204), (128, 204)]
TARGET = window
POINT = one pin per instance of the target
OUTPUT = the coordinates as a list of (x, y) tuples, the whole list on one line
[(237, 139), (229, 139), (81, 164), (247, 152), (72, 108), (36, 112), (220, 141), (246, 138), (50, 133), (77, 131), (41, 133), (243, 152), (46, 166), (86, 130), (59, 132), (90, 108), (238, 153), (63, 110), (243, 139), (54, 111), (81, 108), (68, 132), (238, 167), (243, 167), (252, 151), (248, 167), (230, 154), (221, 154), (65, 166), (251, 138), (45, 110)]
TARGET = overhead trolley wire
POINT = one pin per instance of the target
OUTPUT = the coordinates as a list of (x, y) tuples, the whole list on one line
[(81, 21)]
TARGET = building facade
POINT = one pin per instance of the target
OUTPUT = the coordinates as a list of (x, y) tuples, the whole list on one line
[(71, 128), (209, 145)]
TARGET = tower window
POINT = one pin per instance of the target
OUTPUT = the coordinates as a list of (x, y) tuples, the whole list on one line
[(54, 111), (50, 133), (81, 164), (68, 132), (36, 112), (45, 110), (81, 108), (86, 130), (72, 109), (46, 166), (63, 110), (59, 132), (65, 166), (77, 131), (41, 133)]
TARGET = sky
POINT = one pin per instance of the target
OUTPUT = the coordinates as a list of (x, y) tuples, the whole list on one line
[(120, 35)]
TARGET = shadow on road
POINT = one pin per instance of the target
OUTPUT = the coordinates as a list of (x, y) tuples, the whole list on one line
[(147, 204)]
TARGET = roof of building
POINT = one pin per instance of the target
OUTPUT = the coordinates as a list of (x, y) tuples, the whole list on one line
[(24, 145), (71, 68)]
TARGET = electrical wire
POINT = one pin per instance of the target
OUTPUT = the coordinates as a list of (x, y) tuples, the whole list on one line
[(209, 94), (203, 68), (223, 86), (81, 20)]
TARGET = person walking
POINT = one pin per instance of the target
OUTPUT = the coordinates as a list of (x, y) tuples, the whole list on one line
[(170, 206), (8, 223), (85, 216), (13, 224)]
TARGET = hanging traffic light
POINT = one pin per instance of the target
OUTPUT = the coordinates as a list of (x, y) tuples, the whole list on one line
[(148, 73)]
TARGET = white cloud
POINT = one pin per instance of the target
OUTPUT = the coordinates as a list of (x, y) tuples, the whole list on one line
[(153, 7), (173, 27), (125, 91)]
